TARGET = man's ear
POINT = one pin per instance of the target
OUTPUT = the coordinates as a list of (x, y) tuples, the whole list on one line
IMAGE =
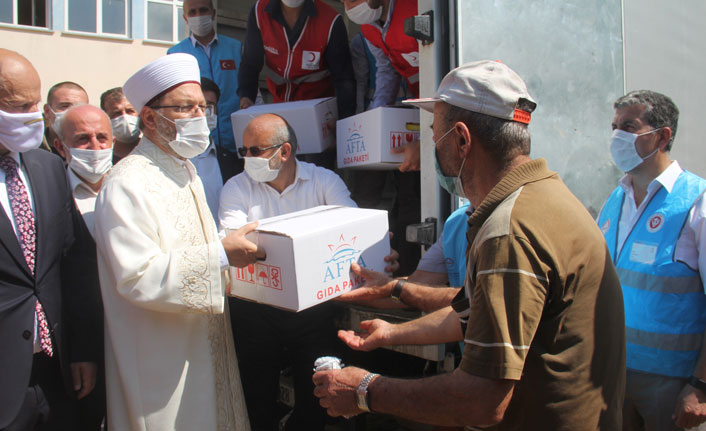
[(149, 118), (59, 147), (463, 139), (665, 135), (47, 112), (286, 151)]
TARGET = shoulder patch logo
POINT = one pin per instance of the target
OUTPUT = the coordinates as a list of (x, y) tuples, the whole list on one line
[(655, 222), (606, 227), (412, 58)]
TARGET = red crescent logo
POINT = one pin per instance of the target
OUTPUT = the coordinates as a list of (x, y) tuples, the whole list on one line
[(313, 57)]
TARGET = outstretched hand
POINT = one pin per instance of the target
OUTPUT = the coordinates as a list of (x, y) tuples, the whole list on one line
[(377, 285), (373, 334)]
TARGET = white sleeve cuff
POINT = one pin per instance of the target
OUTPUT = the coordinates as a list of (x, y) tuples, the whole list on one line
[(223, 256)]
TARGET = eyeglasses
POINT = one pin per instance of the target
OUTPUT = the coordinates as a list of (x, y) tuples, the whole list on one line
[(185, 109), (256, 151)]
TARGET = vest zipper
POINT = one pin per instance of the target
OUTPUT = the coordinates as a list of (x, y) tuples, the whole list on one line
[(290, 57)]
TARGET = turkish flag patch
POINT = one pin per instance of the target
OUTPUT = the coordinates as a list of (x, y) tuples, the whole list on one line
[(227, 65)]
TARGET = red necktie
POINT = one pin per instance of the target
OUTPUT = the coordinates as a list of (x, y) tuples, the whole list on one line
[(24, 218)]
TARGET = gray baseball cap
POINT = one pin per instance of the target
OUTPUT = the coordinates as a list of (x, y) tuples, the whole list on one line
[(487, 87)]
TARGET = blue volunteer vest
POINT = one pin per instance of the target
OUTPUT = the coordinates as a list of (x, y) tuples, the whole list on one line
[(454, 246), (221, 68), (665, 305)]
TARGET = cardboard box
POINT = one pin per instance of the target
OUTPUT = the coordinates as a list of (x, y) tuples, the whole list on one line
[(313, 121), (366, 140), (309, 255)]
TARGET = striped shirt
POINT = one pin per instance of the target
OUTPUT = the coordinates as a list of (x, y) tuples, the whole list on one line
[(546, 307)]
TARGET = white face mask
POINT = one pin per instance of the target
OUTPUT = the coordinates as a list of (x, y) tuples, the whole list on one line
[(622, 148), (125, 128), (212, 121), (191, 136), (364, 14), (259, 170), (91, 165), (293, 3), (57, 119), (21, 132), (200, 25)]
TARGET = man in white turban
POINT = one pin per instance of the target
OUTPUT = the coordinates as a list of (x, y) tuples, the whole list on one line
[(170, 362)]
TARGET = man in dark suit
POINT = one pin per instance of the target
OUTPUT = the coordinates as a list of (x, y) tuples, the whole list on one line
[(50, 311)]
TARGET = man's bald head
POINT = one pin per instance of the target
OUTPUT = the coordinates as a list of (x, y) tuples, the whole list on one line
[(269, 129), (20, 86), (80, 118)]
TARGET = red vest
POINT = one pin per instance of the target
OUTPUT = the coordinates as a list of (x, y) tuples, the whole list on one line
[(301, 72), (402, 50)]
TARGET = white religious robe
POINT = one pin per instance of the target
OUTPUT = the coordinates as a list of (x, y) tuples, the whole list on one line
[(169, 355)]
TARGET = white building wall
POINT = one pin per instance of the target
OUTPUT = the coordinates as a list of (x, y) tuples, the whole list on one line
[(96, 63)]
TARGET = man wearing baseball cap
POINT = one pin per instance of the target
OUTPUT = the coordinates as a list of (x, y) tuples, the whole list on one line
[(544, 341)]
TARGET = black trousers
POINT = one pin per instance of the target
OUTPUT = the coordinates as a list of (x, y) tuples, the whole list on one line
[(265, 339), (47, 406)]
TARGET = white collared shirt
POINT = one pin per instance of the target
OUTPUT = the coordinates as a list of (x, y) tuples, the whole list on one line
[(206, 48), (244, 200), (693, 236), (85, 199)]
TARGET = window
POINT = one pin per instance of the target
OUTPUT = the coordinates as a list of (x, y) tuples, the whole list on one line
[(165, 21), (24, 12), (97, 16)]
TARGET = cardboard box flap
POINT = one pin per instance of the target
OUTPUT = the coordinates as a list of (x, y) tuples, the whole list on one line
[(266, 108), (275, 225)]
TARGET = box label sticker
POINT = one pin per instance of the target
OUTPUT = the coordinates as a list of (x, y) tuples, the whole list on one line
[(338, 277), (261, 274), (397, 139), (355, 151)]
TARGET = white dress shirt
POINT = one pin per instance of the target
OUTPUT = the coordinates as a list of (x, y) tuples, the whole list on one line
[(85, 199), (5, 200), (244, 200), (206, 48), (692, 237)]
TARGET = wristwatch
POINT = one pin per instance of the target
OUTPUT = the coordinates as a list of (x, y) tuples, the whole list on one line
[(698, 384), (397, 291), (361, 394)]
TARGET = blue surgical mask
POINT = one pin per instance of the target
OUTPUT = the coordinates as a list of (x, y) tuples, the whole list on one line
[(622, 148), (453, 185)]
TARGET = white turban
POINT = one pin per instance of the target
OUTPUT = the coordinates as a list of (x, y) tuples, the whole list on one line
[(159, 76)]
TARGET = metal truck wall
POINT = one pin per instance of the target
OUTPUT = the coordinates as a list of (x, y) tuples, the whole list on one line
[(570, 54), (665, 51)]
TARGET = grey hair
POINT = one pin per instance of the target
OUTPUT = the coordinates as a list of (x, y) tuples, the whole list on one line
[(661, 110), (59, 125), (284, 134), (502, 139)]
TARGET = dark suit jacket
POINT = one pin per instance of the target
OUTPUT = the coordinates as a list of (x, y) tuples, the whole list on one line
[(65, 281)]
